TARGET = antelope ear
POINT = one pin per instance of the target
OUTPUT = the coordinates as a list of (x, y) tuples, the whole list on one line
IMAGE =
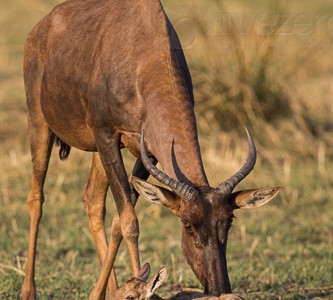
[(157, 194), (144, 272), (253, 198), (156, 281)]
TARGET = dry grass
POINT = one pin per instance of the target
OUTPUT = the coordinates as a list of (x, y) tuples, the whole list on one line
[(258, 65), (275, 79)]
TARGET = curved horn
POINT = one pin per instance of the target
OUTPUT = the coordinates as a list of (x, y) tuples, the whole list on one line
[(183, 190), (228, 185)]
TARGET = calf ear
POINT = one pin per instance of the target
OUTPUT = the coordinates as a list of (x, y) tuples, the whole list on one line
[(157, 194), (156, 281), (144, 272), (253, 198)]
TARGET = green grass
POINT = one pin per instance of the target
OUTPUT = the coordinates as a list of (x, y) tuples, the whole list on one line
[(280, 251)]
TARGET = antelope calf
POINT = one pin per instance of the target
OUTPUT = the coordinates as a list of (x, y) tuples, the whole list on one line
[(138, 288)]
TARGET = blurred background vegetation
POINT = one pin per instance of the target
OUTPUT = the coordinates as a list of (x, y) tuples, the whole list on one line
[(266, 64)]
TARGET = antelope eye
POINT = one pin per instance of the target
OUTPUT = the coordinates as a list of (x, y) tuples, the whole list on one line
[(187, 224)]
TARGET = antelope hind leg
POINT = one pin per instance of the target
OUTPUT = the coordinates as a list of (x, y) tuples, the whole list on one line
[(41, 142)]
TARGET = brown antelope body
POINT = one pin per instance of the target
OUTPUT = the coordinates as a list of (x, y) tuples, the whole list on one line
[(138, 288), (97, 73)]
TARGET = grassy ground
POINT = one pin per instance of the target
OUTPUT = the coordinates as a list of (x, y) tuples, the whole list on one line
[(277, 81)]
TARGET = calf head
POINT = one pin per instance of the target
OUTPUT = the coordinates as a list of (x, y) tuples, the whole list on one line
[(206, 214), (138, 288)]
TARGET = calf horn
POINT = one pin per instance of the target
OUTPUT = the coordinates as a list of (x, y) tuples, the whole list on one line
[(183, 190), (229, 185)]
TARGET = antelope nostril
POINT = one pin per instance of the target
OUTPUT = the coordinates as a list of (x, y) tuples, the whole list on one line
[(222, 239)]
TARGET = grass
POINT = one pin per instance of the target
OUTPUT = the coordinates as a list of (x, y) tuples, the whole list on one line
[(280, 251)]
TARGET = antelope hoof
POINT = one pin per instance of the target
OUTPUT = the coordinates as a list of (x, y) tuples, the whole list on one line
[(28, 293)]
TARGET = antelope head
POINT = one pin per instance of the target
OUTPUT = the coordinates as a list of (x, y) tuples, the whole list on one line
[(137, 288), (206, 214)]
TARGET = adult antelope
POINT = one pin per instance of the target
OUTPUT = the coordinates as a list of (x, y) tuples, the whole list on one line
[(97, 73)]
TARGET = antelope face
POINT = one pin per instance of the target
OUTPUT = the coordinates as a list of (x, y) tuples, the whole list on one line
[(205, 226), (206, 220)]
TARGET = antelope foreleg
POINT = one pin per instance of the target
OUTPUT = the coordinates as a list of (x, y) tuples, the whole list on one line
[(108, 147)]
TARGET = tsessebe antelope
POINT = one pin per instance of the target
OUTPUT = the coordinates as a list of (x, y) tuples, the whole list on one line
[(97, 73)]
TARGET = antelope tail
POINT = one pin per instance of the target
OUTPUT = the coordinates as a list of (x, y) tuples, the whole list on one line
[(64, 148)]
